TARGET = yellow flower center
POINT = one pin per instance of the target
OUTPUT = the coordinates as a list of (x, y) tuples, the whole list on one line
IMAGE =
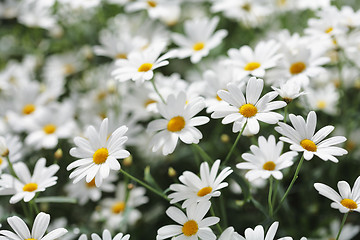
[(1, 160), (30, 239), (28, 109), (350, 145), (246, 7), (145, 67), (282, 2), (297, 67), (49, 128), (218, 98), (30, 187), (321, 104), (198, 46), (69, 69), (270, 166), (349, 203), (151, 3), (148, 102), (329, 30), (248, 110), (100, 156), (121, 56), (252, 66), (204, 191), (176, 124), (190, 228), (308, 145), (91, 184), (118, 207)]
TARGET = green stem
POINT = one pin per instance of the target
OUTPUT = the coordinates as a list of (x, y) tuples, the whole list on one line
[(275, 191), (270, 196), (292, 183), (285, 113), (342, 225), (12, 171), (214, 215), (202, 153), (223, 212), (234, 145), (157, 91), (34, 206)]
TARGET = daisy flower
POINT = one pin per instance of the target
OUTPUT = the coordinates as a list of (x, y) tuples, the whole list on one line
[(266, 159), (325, 99), (347, 201), (288, 91), (99, 152), (11, 148), (196, 189), (27, 186), (178, 122), (255, 62), (106, 235), (193, 225), (140, 66), (302, 138), (250, 109), (40, 225), (258, 233), (229, 234), (199, 40)]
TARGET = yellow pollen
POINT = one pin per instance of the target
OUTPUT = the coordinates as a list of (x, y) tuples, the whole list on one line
[(121, 56), (148, 102), (176, 124), (248, 110), (198, 46), (321, 104), (308, 145), (151, 3), (100, 156), (204, 191), (30, 239), (218, 98), (246, 7), (49, 128), (329, 30), (349, 145), (297, 67), (101, 95), (30, 187), (252, 66), (69, 69), (118, 207), (282, 2), (1, 160), (349, 203), (91, 184), (28, 109), (145, 67), (270, 166), (190, 228)]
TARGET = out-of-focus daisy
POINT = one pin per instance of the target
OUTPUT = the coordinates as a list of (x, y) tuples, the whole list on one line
[(347, 201), (255, 62), (303, 138), (99, 152), (289, 91), (106, 235), (250, 109), (348, 232), (119, 213), (178, 122), (199, 40), (325, 99), (193, 225), (229, 234), (9, 9), (39, 227), (196, 189), (84, 191), (27, 185), (266, 160), (11, 148), (139, 66), (259, 234), (54, 123)]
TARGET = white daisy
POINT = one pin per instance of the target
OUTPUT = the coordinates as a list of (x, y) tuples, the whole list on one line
[(178, 122), (199, 40), (303, 139), (26, 186), (11, 148), (347, 201), (249, 62), (250, 109), (258, 233), (325, 99), (288, 91), (139, 66), (192, 226), (40, 225), (196, 189), (230, 234), (99, 152), (266, 160), (106, 235)]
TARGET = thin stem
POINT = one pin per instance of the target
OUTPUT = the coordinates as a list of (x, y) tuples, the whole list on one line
[(203, 154), (223, 211), (285, 113), (34, 206), (234, 145), (292, 183), (213, 214), (157, 91), (270, 196), (342, 225), (12, 171)]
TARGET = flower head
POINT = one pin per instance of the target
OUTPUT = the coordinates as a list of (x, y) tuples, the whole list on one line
[(106, 235)]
